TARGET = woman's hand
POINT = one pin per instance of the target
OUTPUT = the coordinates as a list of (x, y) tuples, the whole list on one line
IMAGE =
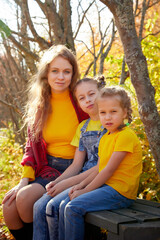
[(11, 195)]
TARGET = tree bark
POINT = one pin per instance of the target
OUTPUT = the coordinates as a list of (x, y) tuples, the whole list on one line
[(122, 11)]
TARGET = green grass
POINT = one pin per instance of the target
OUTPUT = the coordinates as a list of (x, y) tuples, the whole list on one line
[(10, 171)]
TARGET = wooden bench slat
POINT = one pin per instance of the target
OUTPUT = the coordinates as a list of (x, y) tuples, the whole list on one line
[(107, 220), (145, 208), (148, 203), (138, 215)]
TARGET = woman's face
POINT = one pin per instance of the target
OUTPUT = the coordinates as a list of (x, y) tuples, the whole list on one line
[(60, 74)]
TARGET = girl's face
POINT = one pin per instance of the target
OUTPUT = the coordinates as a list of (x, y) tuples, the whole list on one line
[(111, 113), (60, 74), (86, 94)]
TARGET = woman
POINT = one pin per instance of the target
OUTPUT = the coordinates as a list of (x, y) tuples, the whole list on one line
[(52, 117)]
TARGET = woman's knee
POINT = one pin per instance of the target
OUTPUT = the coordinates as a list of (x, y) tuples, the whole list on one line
[(21, 198), (9, 209), (11, 216), (28, 195)]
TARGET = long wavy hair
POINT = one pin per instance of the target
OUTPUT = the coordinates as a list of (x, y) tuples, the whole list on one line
[(39, 92)]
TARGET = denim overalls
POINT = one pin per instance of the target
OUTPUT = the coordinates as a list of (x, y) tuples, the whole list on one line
[(89, 141)]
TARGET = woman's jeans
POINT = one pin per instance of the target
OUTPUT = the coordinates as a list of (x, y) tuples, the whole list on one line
[(71, 213)]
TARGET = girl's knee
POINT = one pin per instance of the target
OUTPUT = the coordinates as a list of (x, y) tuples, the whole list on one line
[(52, 208), (73, 209), (63, 204)]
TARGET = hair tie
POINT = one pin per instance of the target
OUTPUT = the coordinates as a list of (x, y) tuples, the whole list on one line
[(127, 124)]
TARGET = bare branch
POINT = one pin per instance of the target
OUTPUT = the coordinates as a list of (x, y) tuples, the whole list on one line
[(10, 106), (84, 14), (42, 43), (144, 9)]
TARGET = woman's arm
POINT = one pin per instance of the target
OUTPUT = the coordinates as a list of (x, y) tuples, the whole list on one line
[(102, 176)]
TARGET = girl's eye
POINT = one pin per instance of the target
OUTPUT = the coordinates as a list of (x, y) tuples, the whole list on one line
[(114, 111), (102, 112), (91, 94), (80, 99)]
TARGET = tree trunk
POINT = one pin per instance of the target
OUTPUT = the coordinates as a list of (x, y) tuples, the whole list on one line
[(136, 61)]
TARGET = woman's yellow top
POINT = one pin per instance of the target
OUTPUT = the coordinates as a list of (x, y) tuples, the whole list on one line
[(59, 129)]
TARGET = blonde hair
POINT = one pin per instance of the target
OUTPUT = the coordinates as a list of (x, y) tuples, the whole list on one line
[(124, 99), (39, 92)]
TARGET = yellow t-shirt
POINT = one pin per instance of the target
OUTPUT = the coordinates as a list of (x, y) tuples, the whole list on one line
[(125, 179), (28, 172), (92, 126), (59, 130), (61, 126)]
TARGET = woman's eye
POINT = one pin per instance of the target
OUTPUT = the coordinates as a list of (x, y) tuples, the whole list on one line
[(67, 72), (54, 70)]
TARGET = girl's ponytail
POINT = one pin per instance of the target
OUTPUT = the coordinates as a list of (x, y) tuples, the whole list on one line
[(101, 82)]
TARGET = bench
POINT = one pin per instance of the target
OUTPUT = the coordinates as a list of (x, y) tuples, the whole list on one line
[(141, 221)]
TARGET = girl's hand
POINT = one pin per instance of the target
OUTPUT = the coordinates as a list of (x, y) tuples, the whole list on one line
[(50, 185), (75, 188), (56, 188), (76, 193), (11, 195)]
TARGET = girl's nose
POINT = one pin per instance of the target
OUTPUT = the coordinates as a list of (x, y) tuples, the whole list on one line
[(87, 99), (108, 116)]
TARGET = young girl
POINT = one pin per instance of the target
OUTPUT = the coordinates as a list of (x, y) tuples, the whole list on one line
[(86, 140), (119, 168)]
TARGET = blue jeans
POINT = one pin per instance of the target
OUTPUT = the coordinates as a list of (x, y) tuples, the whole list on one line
[(40, 226), (46, 216), (71, 213)]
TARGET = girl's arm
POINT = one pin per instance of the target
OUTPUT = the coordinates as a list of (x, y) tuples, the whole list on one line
[(69, 182), (104, 175), (55, 188), (85, 182)]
